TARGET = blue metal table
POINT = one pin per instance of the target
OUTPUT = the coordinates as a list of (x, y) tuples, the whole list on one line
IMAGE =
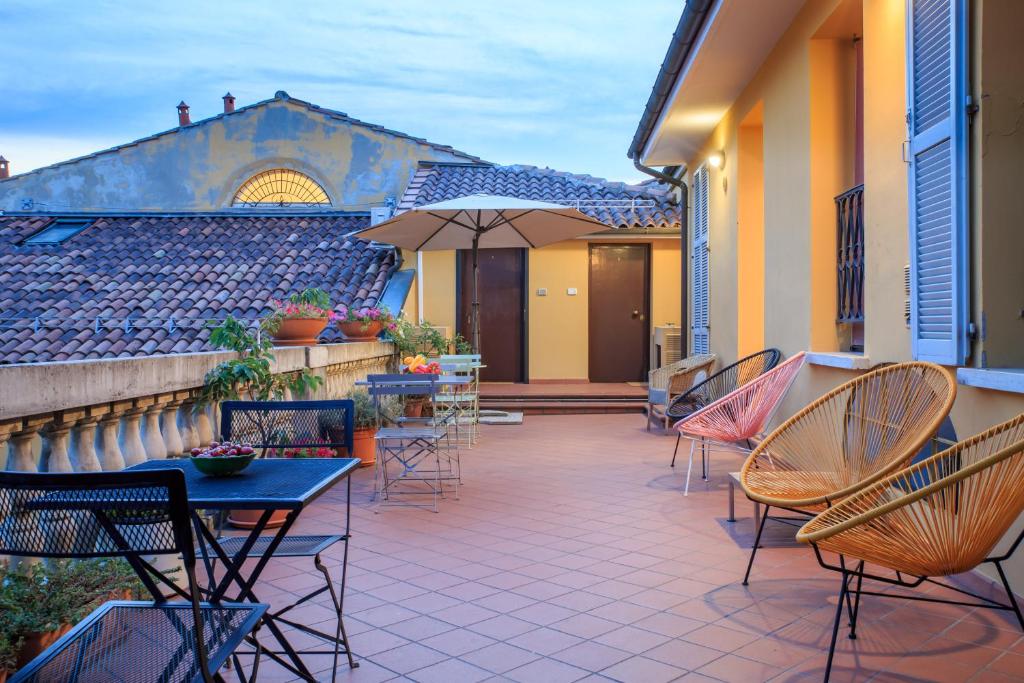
[(267, 485)]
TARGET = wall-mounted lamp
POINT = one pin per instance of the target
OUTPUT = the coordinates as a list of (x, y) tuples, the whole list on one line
[(716, 159)]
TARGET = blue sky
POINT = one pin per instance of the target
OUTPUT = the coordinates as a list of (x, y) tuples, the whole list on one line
[(559, 83)]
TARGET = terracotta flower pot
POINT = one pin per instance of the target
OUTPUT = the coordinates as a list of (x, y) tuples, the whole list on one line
[(356, 331), (414, 406), (35, 643), (247, 519), (364, 447), (299, 331)]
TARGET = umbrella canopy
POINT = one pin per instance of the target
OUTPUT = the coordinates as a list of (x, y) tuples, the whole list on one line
[(482, 221)]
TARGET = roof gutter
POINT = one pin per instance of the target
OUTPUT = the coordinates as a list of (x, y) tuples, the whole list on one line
[(679, 49)]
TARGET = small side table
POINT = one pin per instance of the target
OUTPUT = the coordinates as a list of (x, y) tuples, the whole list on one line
[(734, 482)]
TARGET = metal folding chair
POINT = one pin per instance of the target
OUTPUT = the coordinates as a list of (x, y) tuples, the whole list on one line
[(132, 515), (415, 457), (276, 426), (463, 400)]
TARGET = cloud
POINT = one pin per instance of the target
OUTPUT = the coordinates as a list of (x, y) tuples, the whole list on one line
[(552, 83)]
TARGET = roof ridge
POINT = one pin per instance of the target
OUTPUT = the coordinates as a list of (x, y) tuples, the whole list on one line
[(279, 96)]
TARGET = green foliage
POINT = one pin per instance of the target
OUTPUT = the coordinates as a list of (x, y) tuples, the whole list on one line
[(313, 296), (47, 595), (365, 416), (411, 339), (250, 373)]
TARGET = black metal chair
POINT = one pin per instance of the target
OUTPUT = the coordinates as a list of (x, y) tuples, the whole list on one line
[(276, 426), (133, 515), (720, 384)]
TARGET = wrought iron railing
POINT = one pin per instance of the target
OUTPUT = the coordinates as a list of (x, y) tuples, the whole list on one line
[(850, 256)]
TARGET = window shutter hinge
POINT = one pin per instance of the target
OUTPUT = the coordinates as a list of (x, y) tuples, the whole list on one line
[(971, 107), (972, 331)]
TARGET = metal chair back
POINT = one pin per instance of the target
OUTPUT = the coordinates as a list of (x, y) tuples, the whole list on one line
[(280, 424)]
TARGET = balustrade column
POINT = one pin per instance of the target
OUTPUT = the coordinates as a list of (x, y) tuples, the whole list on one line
[(172, 436), (7, 428), (153, 440), (111, 456), (21, 457), (131, 435), (56, 455), (189, 433), (83, 441)]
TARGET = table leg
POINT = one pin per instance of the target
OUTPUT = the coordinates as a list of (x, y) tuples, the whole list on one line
[(233, 574), (732, 501)]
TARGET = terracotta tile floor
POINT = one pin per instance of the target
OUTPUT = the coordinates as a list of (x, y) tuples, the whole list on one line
[(572, 555)]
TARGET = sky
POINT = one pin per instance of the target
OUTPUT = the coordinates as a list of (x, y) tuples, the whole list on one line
[(557, 83)]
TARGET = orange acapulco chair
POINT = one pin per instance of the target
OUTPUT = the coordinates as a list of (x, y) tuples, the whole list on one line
[(742, 414), (847, 439), (941, 516)]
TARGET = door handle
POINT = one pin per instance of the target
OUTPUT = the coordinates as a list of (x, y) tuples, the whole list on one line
[(636, 313)]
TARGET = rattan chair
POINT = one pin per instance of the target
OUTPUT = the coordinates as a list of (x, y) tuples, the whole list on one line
[(740, 416), (135, 516), (718, 385), (941, 516), (850, 437), (672, 380)]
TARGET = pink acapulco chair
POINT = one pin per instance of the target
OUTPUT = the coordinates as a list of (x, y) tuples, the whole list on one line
[(742, 415)]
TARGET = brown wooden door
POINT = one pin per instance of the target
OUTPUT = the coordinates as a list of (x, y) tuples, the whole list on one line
[(619, 312), (502, 304)]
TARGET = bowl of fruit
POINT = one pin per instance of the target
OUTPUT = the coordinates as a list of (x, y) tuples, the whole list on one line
[(222, 458)]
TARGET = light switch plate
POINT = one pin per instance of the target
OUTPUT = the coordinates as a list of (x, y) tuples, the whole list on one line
[(571, 291), (542, 291)]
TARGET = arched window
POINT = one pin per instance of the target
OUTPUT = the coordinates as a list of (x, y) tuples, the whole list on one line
[(280, 187)]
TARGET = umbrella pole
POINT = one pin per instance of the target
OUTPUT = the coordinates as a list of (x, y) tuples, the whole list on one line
[(476, 295)]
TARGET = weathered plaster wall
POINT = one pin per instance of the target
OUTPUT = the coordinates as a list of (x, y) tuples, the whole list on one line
[(199, 167)]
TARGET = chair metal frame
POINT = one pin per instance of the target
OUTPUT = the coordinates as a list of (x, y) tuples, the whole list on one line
[(463, 401), (720, 384), (903, 420), (740, 416), (83, 493), (911, 502), (416, 449), (246, 419)]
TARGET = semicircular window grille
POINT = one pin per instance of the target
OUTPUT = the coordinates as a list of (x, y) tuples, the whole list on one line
[(280, 187)]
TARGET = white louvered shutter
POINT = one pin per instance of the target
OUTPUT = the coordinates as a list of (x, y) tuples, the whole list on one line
[(937, 121), (699, 266)]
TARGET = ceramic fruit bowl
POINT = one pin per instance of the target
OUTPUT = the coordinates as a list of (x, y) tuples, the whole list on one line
[(222, 459)]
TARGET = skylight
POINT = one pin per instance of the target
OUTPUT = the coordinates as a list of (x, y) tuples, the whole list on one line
[(58, 231)]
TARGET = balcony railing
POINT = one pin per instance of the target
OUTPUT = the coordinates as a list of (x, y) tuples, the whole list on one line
[(850, 256), (87, 416)]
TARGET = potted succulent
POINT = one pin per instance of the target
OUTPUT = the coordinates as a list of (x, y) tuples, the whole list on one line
[(364, 324), (299, 320)]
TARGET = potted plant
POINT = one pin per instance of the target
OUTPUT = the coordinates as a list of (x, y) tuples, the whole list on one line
[(364, 324), (418, 365), (299, 320), (365, 418), (250, 375), (8, 653)]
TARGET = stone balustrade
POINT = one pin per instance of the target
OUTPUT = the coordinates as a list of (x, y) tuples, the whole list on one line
[(104, 415)]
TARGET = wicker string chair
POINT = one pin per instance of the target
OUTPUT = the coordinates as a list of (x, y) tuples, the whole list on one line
[(718, 385), (668, 382), (850, 437), (941, 516), (741, 415)]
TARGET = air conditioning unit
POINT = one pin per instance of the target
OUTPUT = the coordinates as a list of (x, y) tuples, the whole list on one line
[(666, 345)]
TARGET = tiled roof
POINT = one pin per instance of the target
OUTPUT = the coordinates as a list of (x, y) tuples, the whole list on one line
[(280, 95), (151, 280), (617, 204)]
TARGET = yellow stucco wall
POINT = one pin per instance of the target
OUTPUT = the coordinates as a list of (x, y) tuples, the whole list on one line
[(805, 165), (558, 335), (200, 167)]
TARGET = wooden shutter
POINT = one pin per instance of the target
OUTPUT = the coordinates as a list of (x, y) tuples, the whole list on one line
[(937, 121), (700, 262)]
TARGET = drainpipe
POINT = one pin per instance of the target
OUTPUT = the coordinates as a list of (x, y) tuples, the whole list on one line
[(684, 263)]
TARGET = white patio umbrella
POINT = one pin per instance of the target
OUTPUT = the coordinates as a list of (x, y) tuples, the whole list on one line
[(482, 221)]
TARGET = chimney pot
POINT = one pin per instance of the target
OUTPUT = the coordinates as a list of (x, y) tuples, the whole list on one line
[(229, 103), (183, 118), (5, 168)]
